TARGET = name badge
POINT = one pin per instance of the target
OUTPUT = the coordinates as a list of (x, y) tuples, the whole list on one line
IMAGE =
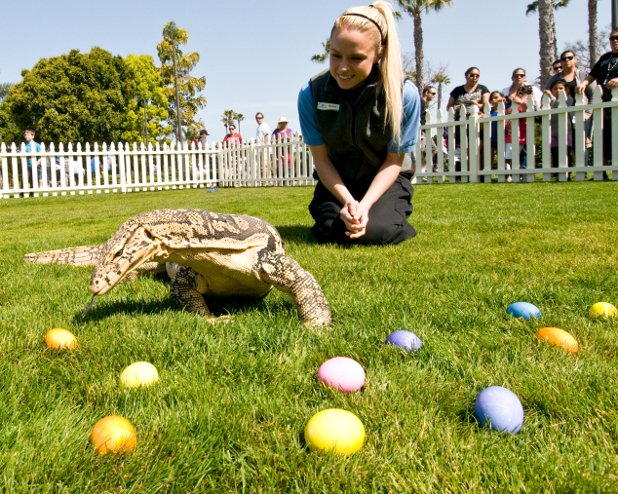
[(328, 106)]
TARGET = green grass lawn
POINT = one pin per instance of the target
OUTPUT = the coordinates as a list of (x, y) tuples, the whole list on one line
[(229, 411)]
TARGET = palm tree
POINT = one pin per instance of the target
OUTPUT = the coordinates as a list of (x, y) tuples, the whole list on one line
[(440, 78), (228, 119), (239, 117), (321, 57), (547, 39), (180, 87), (534, 7), (415, 9), (592, 31)]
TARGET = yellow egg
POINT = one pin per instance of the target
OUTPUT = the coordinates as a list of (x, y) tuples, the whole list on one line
[(335, 430), (60, 339), (560, 338), (139, 374), (113, 433), (603, 310)]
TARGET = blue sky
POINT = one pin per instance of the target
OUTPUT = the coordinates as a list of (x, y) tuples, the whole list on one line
[(255, 55)]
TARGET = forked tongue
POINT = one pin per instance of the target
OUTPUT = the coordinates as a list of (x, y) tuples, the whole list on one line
[(88, 307)]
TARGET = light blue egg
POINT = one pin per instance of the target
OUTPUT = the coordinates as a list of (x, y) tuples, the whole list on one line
[(524, 310)]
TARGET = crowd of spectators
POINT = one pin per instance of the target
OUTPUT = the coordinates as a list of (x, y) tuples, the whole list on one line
[(567, 79)]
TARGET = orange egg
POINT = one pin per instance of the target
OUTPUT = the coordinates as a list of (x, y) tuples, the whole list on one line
[(113, 433), (560, 338), (60, 339)]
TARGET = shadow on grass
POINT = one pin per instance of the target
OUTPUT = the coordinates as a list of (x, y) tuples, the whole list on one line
[(302, 235), (102, 309), (296, 234)]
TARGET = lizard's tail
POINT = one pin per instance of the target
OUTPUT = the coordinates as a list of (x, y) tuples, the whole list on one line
[(87, 255)]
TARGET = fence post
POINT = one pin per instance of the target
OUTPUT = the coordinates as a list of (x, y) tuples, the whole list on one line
[(614, 137), (122, 167), (473, 145), (4, 171), (579, 136)]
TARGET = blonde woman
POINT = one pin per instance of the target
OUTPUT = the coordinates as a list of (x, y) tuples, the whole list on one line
[(359, 119)]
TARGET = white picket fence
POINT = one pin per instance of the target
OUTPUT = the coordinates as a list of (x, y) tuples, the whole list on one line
[(77, 169), (440, 159)]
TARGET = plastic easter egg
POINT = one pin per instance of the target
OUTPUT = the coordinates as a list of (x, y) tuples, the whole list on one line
[(603, 310), (113, 433), (139, 374), (60, 339), (405, 339), (523, 310), (342, 373), (335, 430), (500, 408), (560, 338)]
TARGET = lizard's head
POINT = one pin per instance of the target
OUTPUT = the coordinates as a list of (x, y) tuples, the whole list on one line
[(130, 247)]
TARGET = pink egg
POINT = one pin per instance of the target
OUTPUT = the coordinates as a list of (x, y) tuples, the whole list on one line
[(342, 373)]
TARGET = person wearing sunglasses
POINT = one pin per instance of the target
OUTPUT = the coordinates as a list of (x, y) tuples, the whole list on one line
[(462, 99), (569, 74), (519, 90), (232, 137), (605, 73), (262, 133), (572, 77), (556, 67), (470, 94), (518, 93)]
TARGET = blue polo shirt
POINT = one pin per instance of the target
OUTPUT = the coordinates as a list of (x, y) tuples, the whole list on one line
[(410, 120)]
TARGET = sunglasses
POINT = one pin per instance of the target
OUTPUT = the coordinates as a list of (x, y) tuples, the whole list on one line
[(613, 38), (474, 75), (433, 93), (566, 59), (519, 75), (557, 67)]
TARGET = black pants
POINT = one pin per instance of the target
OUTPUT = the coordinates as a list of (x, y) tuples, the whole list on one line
[(387, 218)]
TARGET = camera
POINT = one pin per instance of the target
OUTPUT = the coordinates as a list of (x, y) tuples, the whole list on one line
[(527, 89)]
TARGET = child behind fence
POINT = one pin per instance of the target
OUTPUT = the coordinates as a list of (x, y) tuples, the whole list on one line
[(559, 86)]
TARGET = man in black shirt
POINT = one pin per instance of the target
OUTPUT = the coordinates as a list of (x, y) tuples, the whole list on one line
[(605, 73)]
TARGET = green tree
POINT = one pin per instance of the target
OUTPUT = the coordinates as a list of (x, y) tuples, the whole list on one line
[(72, 98), (182, 89), (8, 129), (147, 104), (4, 89), (415, 8)]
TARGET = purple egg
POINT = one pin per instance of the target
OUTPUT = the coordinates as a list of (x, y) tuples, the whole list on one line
[(405, 339), (342, 373), (500, 408), (524, 310)]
